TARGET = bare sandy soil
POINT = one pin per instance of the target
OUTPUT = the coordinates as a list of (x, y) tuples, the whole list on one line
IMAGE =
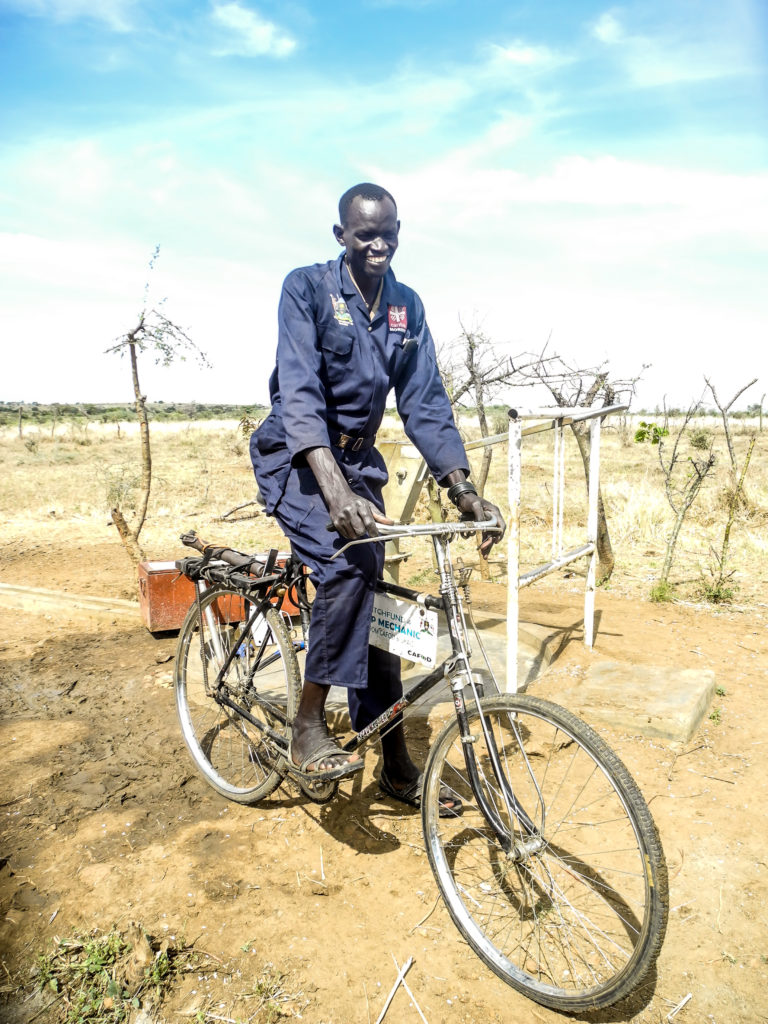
[(105, 821)]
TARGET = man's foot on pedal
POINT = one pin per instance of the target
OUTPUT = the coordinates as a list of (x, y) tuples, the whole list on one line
[(316, 754)]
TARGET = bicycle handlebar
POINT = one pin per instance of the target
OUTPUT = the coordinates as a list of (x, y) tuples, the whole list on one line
[(400, 530), (429, 529)]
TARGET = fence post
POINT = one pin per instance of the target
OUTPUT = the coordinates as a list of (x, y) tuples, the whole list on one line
[(557, 418), (513, 547), (594, 487)]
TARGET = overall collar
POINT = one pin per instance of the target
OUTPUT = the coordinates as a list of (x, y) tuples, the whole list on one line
[(373, 309), (390, 292)]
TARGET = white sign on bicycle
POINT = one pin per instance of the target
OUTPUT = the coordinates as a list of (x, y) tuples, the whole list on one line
[(405, 629)]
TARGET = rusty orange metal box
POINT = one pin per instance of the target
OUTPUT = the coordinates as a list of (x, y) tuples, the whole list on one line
[(164, 595)]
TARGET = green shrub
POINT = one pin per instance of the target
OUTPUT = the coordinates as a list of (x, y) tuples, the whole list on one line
[(662, 591), (650, 432)]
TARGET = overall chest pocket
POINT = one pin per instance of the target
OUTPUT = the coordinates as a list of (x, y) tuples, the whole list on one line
[(337, 345)]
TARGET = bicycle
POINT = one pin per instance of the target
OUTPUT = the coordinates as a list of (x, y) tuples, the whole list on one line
[(551, 866)]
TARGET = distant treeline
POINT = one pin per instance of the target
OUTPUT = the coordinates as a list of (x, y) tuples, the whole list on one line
[(37, 412)]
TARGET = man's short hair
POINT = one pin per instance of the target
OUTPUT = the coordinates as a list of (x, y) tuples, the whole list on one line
[(365, 190)]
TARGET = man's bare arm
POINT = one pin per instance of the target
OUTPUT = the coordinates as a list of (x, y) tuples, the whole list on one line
[(350, 514)]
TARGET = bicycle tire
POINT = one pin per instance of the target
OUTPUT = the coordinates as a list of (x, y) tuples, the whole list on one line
[(234, 756), (577, 923)]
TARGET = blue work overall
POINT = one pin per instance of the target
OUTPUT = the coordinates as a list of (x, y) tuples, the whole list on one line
[(336, 364)]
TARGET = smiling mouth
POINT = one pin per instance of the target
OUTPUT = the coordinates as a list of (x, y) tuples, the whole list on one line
[(377, 259)]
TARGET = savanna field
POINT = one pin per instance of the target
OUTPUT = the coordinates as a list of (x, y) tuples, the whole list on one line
[(201, 471), (106, 827)]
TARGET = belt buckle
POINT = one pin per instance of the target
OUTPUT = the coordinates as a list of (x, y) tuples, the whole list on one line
[(343, 441), (359, 441)]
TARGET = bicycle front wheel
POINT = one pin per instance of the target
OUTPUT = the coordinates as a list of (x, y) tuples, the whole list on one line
[(237, 758), (571, 908)]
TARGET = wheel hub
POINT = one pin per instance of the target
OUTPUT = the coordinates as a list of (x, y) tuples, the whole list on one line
[(524, 849)]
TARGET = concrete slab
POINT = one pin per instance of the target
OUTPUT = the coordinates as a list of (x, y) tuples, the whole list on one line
[(537, 645), (664, 702)]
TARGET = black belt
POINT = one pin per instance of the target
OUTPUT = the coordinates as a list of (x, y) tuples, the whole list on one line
[(352, 444)]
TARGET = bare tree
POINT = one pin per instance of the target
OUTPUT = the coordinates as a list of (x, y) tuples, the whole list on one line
[(474, 372), (580, 386), (724, 411), (719, 589), (683, 479), (166, 341)]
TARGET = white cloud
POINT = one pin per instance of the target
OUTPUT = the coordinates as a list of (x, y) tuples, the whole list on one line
[(630, 261), (116, 14), (718, 44), (638, 262), (608, 181), (248, 34), (608, 29), (617, 255), (525, 55)]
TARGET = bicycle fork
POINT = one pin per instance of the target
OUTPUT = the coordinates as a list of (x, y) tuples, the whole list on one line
[(517, 850)]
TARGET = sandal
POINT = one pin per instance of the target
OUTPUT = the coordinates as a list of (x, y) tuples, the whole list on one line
[(326, 748), (450, 802)]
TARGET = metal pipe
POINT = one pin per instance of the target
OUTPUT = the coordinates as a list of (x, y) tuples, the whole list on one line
[(575, 412), (558, 563)]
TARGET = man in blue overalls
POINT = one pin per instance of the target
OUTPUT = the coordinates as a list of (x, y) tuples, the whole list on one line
[(348, 334)]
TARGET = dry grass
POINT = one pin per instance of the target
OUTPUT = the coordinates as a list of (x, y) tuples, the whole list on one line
[(202, 470)]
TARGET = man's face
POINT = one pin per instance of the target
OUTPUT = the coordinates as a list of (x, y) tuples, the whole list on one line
[(369, 236)]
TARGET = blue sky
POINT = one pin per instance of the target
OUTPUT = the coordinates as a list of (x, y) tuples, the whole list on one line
[(594, 171)]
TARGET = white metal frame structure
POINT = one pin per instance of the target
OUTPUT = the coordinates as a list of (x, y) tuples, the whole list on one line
[(556, 418)]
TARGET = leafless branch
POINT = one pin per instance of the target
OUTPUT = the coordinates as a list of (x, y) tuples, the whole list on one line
[(153, 331), (724, 410), (246, 504), (682, 485), (571, 385)]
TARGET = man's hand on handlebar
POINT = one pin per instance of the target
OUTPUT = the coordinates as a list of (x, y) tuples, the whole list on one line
[(355, 517), (350, 514), (472, 506)]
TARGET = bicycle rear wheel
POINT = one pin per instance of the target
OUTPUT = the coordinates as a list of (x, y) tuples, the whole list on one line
[(236, 757), (574, 915)]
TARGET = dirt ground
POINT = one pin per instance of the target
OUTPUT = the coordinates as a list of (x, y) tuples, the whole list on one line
[(105, 821)]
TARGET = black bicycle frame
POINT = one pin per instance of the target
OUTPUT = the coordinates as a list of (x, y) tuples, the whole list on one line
[(295, 579), (220, 697)]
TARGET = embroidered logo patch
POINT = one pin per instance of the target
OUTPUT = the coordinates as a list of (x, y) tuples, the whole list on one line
[(340, 312), (398, 319)]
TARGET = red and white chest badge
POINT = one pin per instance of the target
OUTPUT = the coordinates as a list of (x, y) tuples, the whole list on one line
[(398, 319)]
